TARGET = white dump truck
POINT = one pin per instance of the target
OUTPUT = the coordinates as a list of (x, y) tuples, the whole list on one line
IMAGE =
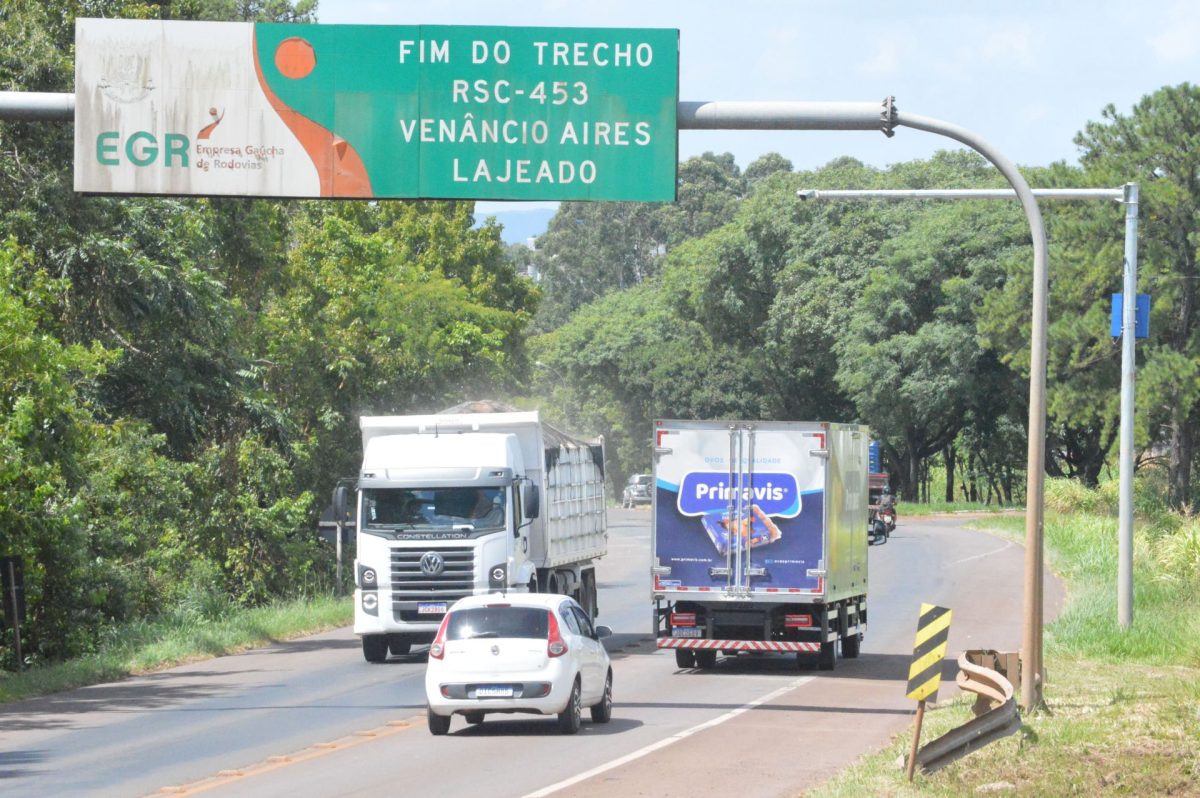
[(759, 539), (475, 499)]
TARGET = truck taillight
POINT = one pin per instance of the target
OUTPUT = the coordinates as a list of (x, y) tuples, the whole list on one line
[(437, 649), (797, 621), (555, 645), (683, 619)]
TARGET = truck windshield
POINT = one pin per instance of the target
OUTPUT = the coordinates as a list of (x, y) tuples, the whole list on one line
[(433, 509)]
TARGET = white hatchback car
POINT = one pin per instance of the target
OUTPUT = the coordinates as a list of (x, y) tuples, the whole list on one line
[(523, 652)]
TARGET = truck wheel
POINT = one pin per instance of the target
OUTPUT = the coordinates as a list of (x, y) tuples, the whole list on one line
[(850, 646), (399, 645), (706, 658), (685, 658), (375, 648), (587, 594), (827, 659)]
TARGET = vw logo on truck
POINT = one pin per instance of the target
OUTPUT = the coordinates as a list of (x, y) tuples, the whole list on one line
[(432, 563)]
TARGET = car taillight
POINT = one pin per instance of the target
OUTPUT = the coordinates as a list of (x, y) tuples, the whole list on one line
[(555, 645), (437, 649)]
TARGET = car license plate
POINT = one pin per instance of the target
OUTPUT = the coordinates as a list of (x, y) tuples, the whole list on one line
[(431, 608), (493, 692), (687, 631)]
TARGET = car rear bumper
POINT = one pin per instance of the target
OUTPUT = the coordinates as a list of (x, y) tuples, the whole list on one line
[(543, 692)]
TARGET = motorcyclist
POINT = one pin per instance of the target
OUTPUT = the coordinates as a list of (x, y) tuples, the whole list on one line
[(887, 502)]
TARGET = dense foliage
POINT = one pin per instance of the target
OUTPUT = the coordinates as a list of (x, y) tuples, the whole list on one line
[(910, 317), (180, 380)]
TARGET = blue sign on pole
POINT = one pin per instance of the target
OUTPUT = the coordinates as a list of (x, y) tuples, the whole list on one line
[(1141, 316), (874, 463)]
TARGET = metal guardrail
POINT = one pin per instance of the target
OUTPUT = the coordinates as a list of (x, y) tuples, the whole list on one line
[(995, 710)]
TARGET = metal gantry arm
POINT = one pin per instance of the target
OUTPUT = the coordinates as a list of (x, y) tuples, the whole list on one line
[(36, 106)]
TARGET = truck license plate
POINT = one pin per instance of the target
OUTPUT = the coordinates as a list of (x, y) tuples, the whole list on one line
[(431, 608), (493, 692), (687, 631)]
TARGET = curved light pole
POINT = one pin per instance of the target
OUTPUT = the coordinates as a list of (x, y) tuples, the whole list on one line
[(885, 117)]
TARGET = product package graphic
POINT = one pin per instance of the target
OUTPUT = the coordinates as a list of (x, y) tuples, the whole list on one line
[(722, 526)]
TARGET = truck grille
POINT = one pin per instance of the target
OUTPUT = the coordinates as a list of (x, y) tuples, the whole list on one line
[(410, 583)]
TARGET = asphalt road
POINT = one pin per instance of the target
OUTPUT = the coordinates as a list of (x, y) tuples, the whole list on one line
[(311, 717)]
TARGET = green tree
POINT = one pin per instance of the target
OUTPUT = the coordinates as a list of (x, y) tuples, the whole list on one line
[(385, 309), (1158, 145), (593, 248), (763, 167), (45, 429), (911, 359)]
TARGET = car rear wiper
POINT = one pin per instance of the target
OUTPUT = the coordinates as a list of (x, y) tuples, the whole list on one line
[(478, 635)]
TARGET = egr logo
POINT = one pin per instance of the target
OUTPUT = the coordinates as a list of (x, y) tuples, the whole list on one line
[(142, 148)]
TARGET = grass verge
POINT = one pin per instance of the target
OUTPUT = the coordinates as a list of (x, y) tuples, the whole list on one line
[(1123, 706), (146, 647)]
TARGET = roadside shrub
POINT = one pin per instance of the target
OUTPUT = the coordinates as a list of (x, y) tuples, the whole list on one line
[(1069, 496), (1177, 554)]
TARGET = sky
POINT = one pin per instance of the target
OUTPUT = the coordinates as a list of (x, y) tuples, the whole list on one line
[(1024, 75)]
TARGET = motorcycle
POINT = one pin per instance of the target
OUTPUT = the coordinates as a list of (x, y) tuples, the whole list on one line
[(881, 525), (889, 522)]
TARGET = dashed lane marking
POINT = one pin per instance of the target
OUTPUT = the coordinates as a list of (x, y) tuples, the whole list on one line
[(225, 777)]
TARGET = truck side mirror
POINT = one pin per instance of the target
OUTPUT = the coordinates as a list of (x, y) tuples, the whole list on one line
[(341, 498), (532, 502)]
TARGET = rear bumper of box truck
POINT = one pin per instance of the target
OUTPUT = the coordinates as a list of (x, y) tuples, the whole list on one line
[(744, 626)]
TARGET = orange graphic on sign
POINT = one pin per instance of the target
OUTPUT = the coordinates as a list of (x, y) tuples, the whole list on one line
[(339, 167), (207, 130), (295, 58)]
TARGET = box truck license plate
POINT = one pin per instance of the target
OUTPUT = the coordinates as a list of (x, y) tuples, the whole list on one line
[(687, 631), (493, 692), (431, 608)]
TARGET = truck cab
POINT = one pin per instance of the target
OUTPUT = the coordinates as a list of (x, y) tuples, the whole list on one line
[(451, 506)]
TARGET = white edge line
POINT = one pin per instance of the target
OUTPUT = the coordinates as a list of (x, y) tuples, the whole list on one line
[(663, 743), (1005, 547)]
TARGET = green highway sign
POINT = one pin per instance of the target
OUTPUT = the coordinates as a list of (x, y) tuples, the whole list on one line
[(430, 111)]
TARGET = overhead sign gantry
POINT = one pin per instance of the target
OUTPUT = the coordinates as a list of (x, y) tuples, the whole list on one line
[(375, 111)]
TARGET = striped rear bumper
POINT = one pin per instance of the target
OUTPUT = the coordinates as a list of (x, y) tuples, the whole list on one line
[(738, 645)]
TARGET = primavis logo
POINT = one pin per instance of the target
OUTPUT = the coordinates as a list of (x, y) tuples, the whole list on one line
[(775, 494)]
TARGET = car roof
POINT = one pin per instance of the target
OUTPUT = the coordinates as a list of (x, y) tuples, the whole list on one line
[(537, 600)]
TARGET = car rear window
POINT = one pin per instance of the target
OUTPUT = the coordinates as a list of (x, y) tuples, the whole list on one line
[(497, 622)]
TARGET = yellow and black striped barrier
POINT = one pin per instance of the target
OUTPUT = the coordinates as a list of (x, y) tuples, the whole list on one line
[(933, 632), (925, 672)]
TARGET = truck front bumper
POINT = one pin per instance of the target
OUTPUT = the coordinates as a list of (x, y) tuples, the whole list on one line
[(374, 614)]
